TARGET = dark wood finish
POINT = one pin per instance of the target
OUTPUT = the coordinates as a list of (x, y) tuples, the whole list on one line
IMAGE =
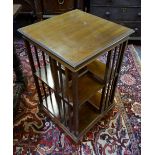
[(38, 9), (28, 6), (116, 2), (124, 12), (57, 6), (118, 13), (95, 100), (45, 8), (83, 87)]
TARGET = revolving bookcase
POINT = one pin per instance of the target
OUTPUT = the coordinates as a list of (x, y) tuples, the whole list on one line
[(74, 87)]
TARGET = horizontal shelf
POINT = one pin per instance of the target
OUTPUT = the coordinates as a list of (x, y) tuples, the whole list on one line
[(95, 100), (87, 115), (46, 77), (87, 87), (88, 84), (97, 68)]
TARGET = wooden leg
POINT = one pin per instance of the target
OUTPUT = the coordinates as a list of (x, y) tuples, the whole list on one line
[(75, 102)]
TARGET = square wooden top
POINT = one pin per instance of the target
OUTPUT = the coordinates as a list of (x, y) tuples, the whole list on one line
[(75, 37)]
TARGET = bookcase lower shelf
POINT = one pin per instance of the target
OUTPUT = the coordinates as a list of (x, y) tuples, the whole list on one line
[(88, 116)]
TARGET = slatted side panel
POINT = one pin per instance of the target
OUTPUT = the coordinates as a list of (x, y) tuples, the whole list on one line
[(60, 105), (33, 68), (121, 49), (113, 66), (65, 105), (54, 100), (42, 61)]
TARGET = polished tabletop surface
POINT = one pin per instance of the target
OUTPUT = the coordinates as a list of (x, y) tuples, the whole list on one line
[(76, 36)]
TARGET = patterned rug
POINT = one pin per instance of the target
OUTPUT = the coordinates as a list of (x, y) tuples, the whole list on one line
[(118, 133)]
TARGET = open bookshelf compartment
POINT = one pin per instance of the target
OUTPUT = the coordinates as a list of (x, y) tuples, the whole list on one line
[(87, 85), (95, 100), (44, 74), (97, 68), (87, 115)]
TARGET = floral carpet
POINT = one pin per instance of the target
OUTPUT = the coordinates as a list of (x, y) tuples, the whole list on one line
[(118, 133)]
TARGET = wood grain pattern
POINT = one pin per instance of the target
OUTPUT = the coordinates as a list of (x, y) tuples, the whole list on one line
[(75, 37)]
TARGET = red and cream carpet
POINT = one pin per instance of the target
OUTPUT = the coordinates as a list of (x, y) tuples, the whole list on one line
[(119, 133)]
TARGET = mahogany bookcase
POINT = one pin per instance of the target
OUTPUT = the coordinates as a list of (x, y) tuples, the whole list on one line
[(74, 87)]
